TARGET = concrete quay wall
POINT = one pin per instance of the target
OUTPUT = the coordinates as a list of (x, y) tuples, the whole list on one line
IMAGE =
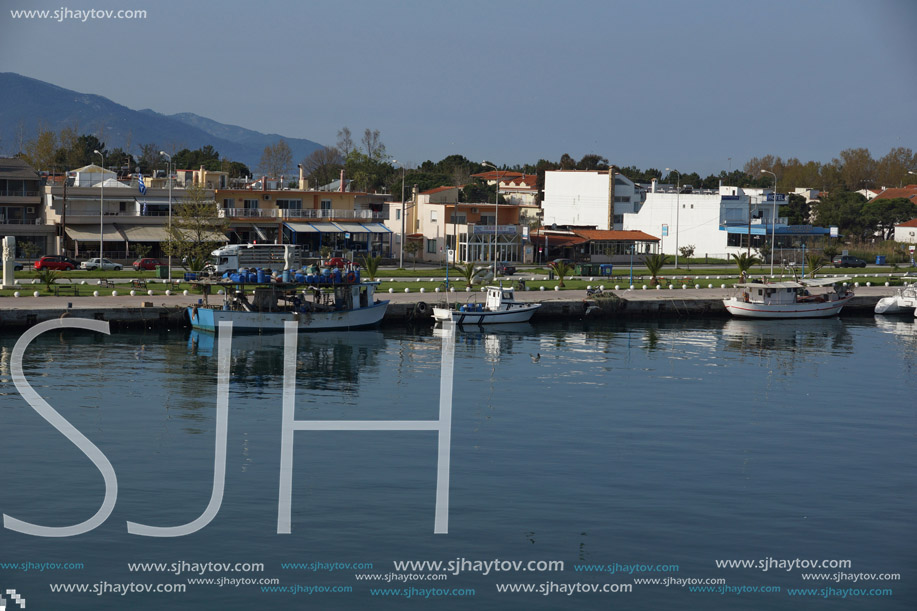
[(169, 312)]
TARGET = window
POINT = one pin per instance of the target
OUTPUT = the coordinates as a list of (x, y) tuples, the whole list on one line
[(459, 219), (229, 203), (431, 246), (289, 204), (326, 204), (250, 204), (433, 215), (398, 214), (622, 199), (487, 219)]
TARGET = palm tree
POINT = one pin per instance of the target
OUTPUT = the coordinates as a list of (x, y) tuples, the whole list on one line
[(815, 262), (466, 271), (562, 269), (371, 264), (744, 262), (654, 264)]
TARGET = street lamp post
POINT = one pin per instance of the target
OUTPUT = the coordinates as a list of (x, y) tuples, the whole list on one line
[(496, 215), (403, 210), (101, 206), (165, 154), (773, 218), (677, 210)]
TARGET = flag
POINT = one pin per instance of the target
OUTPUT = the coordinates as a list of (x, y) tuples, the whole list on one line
[(144, 211), (142, 186)]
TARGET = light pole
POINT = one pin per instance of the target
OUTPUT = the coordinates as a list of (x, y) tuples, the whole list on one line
[(403, 210), (677, 210), (773, 218), (165, 154), (496, 215), (101, 206)]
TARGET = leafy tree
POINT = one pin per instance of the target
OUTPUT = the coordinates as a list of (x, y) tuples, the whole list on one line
[(276, 160), (345, 142), (845, 210), (40, 152), (372, 142), (830, 249), (322, 166), (47, 277), (856, 167), (592, 162), (412, 247), (196, 223), (141, 250), (567, 162), (797, 211), (884, 214), (149, 158), (368, 174), (687, 252)]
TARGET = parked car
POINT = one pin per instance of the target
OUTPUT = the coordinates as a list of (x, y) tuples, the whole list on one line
[(848, 261), (17, 266), (57, 262), (556, 262), (506, 269), (103, 264), (146, 263)]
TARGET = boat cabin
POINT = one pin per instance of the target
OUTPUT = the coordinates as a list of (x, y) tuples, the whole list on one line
[(785, 293), (498, 296)]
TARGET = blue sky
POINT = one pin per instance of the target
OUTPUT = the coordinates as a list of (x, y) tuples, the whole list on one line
[(654, 83)]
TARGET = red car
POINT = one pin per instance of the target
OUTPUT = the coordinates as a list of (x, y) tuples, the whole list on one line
[(146, 264), (59, 263)]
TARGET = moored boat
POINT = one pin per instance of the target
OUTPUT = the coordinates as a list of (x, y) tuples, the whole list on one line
[(816, 298), (500, 306), (313, 308), (904, 301)]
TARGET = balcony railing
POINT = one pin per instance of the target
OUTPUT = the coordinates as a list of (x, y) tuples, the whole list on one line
[(309, 213)]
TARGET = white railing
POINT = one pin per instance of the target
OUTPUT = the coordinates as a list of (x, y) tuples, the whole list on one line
[(309, 213)]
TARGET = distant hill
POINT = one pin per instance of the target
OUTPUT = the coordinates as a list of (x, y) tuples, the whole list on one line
[(27, 102)]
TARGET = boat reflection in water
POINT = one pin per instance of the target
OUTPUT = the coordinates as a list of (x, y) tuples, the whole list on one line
[(898, 326), (496, 339), (324, 360), (797, 336)]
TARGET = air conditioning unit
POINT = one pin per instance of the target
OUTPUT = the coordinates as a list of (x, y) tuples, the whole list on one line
[(267, 197)]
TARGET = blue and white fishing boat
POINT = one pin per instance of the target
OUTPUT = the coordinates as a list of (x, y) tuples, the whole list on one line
[(500, 306), (313, 307)]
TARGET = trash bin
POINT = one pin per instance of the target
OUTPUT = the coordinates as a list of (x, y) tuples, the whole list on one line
[(880, 259), (162, 272), (550, 274), (606, 269)]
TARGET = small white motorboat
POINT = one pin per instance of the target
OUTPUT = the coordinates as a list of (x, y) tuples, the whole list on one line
[(500, 306), (904, 301), (827, 297)]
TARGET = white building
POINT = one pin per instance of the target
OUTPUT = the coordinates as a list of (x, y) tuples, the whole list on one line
[(589, 198)]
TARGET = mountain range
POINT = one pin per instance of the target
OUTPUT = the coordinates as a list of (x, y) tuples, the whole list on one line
[(26, 103)]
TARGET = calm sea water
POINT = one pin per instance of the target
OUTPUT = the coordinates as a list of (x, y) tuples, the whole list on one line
[(668, 446)]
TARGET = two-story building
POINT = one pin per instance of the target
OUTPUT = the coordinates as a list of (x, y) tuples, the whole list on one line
[(21, 208), (341, 220), (596, 198), (92, 210)]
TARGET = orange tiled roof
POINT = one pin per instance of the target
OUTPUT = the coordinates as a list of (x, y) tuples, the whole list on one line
[(439, 190), (497, 175), (908, 192), (910, 223)]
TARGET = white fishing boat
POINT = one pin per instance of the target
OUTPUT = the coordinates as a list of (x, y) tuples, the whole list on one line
[(816, 298), (313, 308), (904, 301), (500, 306)]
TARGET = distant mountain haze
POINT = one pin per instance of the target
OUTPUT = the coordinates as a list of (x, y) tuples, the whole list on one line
[(26, 102)]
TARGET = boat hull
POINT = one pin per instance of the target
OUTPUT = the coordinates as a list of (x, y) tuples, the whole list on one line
[(208, 319), (512, 315), (737, 307), (902, 302)]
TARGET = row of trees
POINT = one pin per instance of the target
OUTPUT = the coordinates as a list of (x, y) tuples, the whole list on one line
[(68, 149)]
